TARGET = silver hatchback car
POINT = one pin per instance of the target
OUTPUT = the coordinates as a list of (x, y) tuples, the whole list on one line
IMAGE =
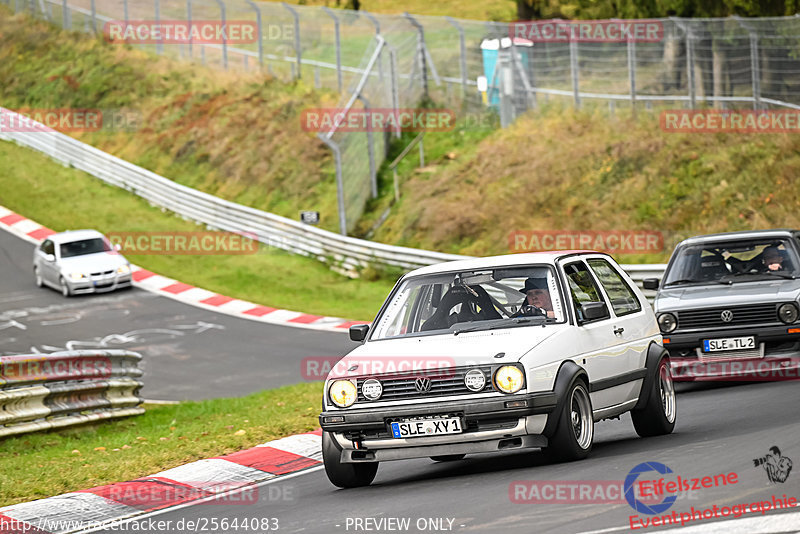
[(80, 261), (729, 306)]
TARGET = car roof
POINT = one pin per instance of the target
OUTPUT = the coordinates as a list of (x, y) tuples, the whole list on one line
[(74, 235), (729, 236), (506, 260)]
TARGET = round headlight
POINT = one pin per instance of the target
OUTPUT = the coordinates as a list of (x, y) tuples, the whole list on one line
[(475, 380), (343, 393), (667, 322), (788, 313), (509, 379), (372, 389)]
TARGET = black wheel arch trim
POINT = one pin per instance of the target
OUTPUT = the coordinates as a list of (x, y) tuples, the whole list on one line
[(655, 353), (567, 373)]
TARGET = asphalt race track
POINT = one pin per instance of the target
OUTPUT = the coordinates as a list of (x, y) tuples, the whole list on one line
[(720, 430), (189, 352)]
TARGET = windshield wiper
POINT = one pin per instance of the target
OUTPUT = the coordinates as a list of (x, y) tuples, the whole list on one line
[(503, 323), (683, 281), (766, 273)]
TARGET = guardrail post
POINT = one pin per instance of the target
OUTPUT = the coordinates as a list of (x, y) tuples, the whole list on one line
[(221, 5), (297, 50), (573, 68), (338, 46), (373, 175), (260, 33), (160, 42), (337, 154), (462, 63), (632, 71), (67, 22), (755, 69)]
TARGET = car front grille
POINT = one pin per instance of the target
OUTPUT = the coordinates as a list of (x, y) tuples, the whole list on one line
[(755, 314), (103, 273), (450, 382)]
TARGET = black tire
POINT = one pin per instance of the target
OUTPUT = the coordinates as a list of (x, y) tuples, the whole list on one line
[(574, 433), (657, 417), (448, 458), (37, 278), (65, 290), (345, 475)]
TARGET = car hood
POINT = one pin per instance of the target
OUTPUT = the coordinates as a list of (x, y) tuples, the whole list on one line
[(92, 263), (711, 296), (445, 350)]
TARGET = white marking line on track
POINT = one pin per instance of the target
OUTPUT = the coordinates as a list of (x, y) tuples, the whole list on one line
[(219, 496)]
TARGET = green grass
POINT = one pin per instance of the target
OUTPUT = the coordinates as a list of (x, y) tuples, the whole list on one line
[(63, 198), (44, 464)]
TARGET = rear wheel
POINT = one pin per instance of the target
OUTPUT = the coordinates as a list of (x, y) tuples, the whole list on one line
[(574, 432), (657, 417), (448, 457), (345, 475), (65, 290)]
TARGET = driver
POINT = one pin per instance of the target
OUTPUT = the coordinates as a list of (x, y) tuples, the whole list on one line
[(537, 296), (773, 261)]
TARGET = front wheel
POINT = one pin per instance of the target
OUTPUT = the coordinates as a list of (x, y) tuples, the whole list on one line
[(574, 432), (345, 475), (657, 417), (37, 277), (65, 290)]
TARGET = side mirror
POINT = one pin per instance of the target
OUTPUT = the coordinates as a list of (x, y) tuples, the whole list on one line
[(117, 247), (594, 310), (358, 332), (650, 283), (50, 257)]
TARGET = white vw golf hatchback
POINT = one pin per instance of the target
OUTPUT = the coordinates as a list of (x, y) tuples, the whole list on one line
[(496, 354)]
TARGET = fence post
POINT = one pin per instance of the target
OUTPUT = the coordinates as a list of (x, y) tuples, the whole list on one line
[(65, 15), (125, 12), (573, 68), (159, 43), (756, 70), (420, 52), (221, 5), (189, 21), (94, 17), (632, 71), (374, 21), (690, 66), (395, 94), (296, 37), (260, 33), (462, 57), (337, 154), (373, 175), (338, 46)]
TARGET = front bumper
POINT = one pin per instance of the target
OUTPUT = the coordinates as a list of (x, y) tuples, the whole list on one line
[(102, 284), (680, 342), (489, 426)]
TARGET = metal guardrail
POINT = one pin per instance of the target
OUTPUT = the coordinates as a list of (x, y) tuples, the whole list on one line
[(344, 254), (48, 391)]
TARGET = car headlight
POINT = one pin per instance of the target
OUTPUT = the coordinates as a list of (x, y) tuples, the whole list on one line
[(123, 269), (788, 313), (77, 276), (343, 393), (509, 379), (372, 389), (667, 322)]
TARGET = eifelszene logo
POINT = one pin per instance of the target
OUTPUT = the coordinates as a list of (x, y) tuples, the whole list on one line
[(630, 495), (777, 467)]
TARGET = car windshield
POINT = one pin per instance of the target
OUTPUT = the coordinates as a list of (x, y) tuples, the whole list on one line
[(84, 246), (473, 300), (733, 262)]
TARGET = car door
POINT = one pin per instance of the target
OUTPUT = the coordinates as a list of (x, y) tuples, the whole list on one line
[(629, 324), (597, 345)]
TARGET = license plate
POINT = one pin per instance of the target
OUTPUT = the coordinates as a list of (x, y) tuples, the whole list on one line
[(729, 343), (426, 427)]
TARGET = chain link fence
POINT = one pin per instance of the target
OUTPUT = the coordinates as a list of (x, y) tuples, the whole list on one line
[(471, 67)]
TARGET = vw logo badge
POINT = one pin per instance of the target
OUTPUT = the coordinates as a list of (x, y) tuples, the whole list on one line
[(726, 316), (422, 384)]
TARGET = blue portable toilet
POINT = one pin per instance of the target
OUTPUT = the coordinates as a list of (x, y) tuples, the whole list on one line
[(491, 49)]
